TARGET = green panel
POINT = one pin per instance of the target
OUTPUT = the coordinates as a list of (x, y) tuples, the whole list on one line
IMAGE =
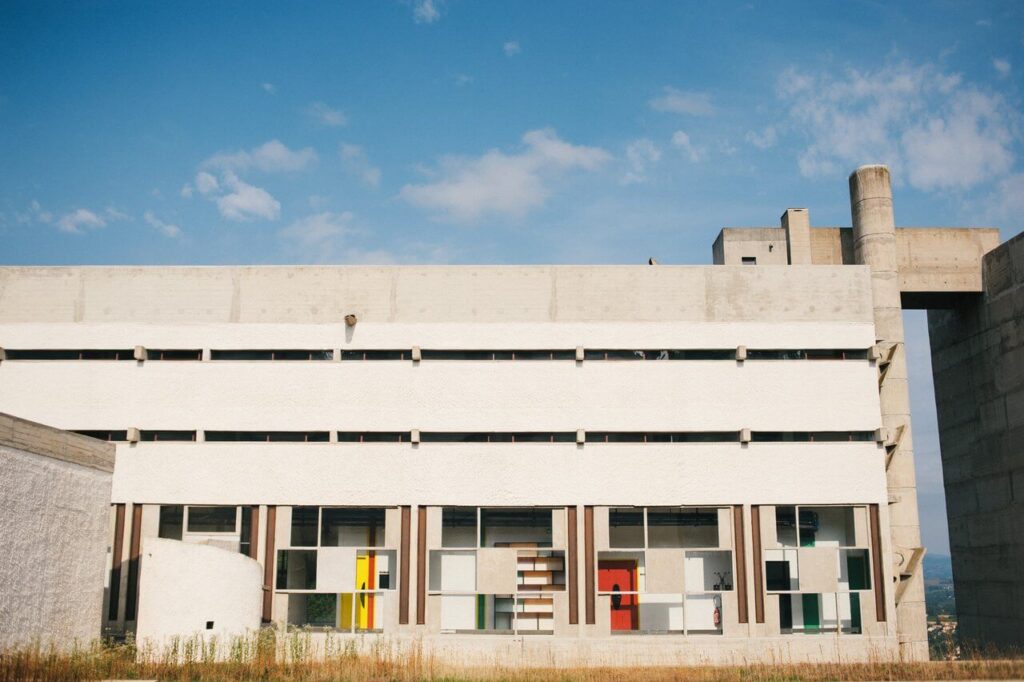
[(857, 569), (855, 612), (811, 620), (481, 612), (807, 538)]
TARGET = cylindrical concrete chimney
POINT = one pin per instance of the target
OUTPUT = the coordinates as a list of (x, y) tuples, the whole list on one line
[(874, 225)]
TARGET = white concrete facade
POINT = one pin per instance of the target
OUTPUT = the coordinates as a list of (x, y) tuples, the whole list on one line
[(812, 427)]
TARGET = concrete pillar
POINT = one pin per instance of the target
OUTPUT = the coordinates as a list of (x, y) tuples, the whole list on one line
[(797, 224), (874, 244)]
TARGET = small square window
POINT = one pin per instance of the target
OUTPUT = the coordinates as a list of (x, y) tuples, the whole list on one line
[(749, 260)]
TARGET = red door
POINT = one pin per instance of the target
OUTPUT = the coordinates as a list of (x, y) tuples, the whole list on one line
[(619, 576)]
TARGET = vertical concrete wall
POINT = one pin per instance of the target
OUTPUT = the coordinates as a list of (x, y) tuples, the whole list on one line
[(874, 243), (53, 531), (978, 365)]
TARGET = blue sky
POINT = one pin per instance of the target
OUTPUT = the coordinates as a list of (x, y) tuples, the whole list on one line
[(477, 132)]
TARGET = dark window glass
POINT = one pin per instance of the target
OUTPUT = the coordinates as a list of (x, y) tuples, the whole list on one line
[(269, 436), (352, 527), (105, 435), (373, 436), (171, 521), (70, 354), (167, 435), (376, 355), (174, 354), (304, 526), (626, 527), (245, 543), (212, 519), (296, 569)]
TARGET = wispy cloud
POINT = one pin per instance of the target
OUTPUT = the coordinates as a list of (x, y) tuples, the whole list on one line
[(270, 157), (80, 220), (166, 229), (269, 88), (511, 48), (326, 115), (678, 101), (243, 202), (426, 11), (499, 183), (1002, 67), (928, 126), (463, 79), (356, 163), (681, 141), (640, 154), (764, 139), (318, 229)]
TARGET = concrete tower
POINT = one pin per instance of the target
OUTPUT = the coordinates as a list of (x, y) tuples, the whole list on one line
[(874, 243)]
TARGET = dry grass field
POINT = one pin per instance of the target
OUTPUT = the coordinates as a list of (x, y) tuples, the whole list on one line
[(271, 658)]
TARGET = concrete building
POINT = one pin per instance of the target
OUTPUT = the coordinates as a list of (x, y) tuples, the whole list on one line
[(567, 465), (55, 506)]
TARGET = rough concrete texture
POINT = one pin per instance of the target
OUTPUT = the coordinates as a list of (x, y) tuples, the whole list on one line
[(978, 365), (189, 589), (54, 534), (874, 244)]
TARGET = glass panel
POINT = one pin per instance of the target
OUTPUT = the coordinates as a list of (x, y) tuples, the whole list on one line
[(304, 526), (826, 527), (854, 570), (661, 613), (212, 519), (245, 544), (625, 527), (313, 610), (781, 570), (703, 614), (525, 527), (296, 569), (458, 527), (352, 527), (171, 521), (708, 571), (785, 526)]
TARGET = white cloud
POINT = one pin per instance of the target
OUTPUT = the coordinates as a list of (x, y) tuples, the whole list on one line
[(327, 116), (929, 127), (206, 183), (500, 183), (269, 88), (683, 102), (355, 161), (640, 154), (1002, 67), (316, 229), (35, 213), (1006, 203), (270, 157), (186, 191), (765, 139), (511, 48), (425, 11), (244, 202), (681, 141), (984, 23), (166, 229), (463, 79), (77, 221), (114, 214)]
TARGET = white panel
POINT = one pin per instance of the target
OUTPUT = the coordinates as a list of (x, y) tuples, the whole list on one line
[(661, 612), (823, 395), (458, 612), (335, 569), (452, 571), (700, 612), (315, 473)]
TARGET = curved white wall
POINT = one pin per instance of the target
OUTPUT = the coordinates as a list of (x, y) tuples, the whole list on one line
[(184, 585)]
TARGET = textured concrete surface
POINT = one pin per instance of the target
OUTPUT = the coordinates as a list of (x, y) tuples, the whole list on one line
[(54, 534), (978, 365), (188, 589)]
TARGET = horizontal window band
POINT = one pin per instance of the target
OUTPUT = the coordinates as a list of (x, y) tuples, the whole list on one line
[(69, 354), (272, 354), (402, 354), (640, 437), (267, 436)]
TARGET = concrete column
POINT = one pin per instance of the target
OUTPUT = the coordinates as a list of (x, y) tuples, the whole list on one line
[(797, 224), (874, 244)]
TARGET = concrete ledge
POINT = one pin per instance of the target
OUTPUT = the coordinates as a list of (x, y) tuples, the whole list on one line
[(40, 439)]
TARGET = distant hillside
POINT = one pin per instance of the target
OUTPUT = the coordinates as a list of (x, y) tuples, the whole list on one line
[(938, 567), (938, 585)]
